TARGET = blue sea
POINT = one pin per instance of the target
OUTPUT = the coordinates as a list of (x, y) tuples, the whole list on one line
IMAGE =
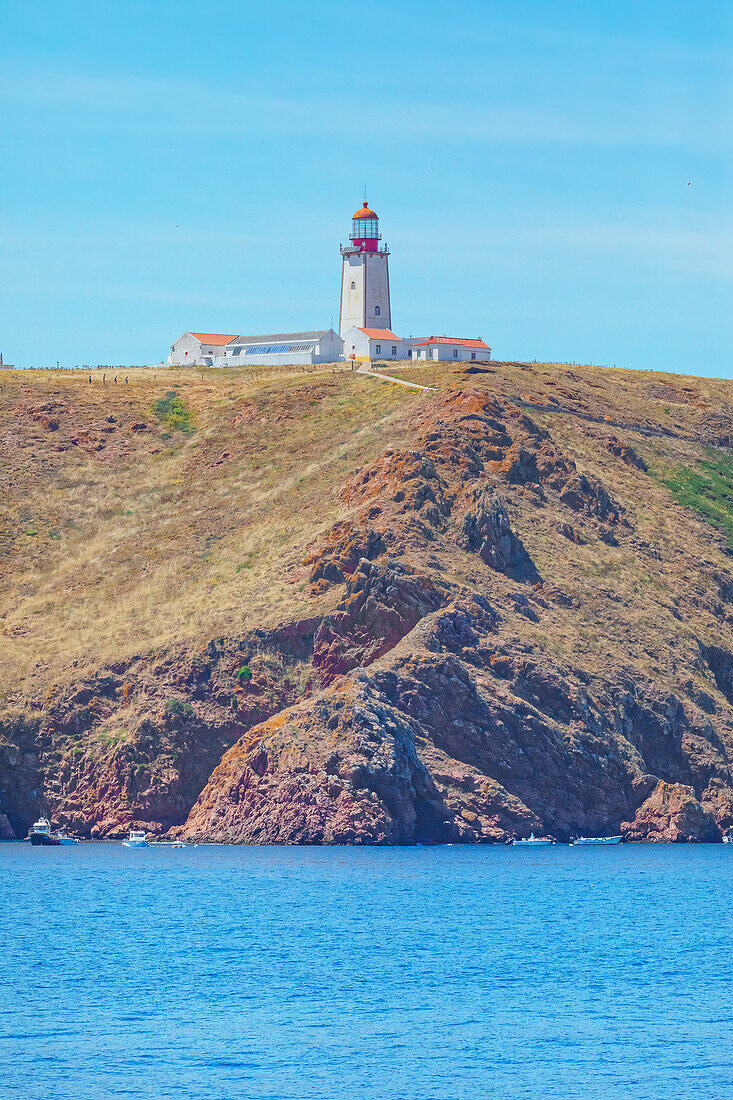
[(451, 973)]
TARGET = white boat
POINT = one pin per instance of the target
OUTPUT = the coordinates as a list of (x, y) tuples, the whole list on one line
[(178, 844), (727, 838), (534, 841), (136, 839), (597, 840), (64, 839)]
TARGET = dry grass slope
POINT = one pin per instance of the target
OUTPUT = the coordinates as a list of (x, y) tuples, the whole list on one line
[(172, 508), (178, 507)]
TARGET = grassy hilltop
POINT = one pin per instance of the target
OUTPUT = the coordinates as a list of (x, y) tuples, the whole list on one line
[(143, 522), (174, 507), (178, 506)]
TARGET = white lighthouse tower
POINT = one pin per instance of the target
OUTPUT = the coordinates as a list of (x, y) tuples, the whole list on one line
[(364, 276)]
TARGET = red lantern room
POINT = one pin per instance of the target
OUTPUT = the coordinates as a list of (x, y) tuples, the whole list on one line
[(365, 230)]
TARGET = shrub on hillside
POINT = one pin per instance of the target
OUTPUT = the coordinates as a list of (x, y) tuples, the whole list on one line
[(173, 411), (177, 708)]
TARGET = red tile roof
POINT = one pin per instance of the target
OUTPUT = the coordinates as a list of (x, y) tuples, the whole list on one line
[(379, 333), (213, 338), (457, 340)]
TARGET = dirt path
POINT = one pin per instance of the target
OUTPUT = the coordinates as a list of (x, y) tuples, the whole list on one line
[(399, 381)]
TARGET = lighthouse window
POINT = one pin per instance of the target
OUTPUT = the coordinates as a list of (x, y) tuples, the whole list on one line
[(377, 311), (353, 285), (364, 227)]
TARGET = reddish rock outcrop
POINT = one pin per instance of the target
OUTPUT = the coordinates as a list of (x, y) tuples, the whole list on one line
[(338, 555), (133, 746), (626, 453), (382, 603), (671, 814), (429, 699), (487, 530), (456, 737)]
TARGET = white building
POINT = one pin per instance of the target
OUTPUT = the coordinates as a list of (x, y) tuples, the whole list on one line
[(364, 344), (365, 322), (451, 348), (198, 349), (283, 349), (364, 276)]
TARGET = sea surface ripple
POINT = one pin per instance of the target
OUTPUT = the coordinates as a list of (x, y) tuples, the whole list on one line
[(451, 973)]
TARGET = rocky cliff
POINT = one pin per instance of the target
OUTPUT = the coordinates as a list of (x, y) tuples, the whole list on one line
[(517, 618)]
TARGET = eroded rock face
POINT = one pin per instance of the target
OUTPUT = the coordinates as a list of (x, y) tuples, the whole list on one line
[(344, 770), (487, 530), (455, 738), (671, 814), (340, 553), (134, 746), (426, 705), (382, 603), (625, 452)]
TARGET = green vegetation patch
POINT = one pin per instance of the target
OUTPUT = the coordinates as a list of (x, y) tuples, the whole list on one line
[(706, 488), (177, 708), (173, 411)]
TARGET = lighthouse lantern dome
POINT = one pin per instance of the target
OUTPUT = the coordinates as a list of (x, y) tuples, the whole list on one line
[(365, 227)]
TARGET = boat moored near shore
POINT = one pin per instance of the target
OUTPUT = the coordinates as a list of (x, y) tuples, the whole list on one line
[(64, 838), (136, 839), (533, 841), (597, 840), (41, 834)]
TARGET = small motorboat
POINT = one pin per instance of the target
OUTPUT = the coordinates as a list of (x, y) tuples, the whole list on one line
[(534, 841), (136, 839), (597, 840), (178, 844), (42, 834), (64, 838)]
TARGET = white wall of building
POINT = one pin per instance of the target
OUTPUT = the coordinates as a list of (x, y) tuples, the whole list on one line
[(365, 291), (188, 351), (363, 347), (454, 353)]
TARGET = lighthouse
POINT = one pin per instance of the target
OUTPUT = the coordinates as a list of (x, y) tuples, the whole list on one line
[(364, 276)]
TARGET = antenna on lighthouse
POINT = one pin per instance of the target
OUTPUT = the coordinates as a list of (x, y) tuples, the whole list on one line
[(365, 194)]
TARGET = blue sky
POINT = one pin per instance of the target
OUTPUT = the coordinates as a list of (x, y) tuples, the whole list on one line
[(555, 177)]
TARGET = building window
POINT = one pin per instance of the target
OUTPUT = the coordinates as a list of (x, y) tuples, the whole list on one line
[(377, 311), (353, 285), (378, 349), (394, 350), (473, 355), (455, 353)]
